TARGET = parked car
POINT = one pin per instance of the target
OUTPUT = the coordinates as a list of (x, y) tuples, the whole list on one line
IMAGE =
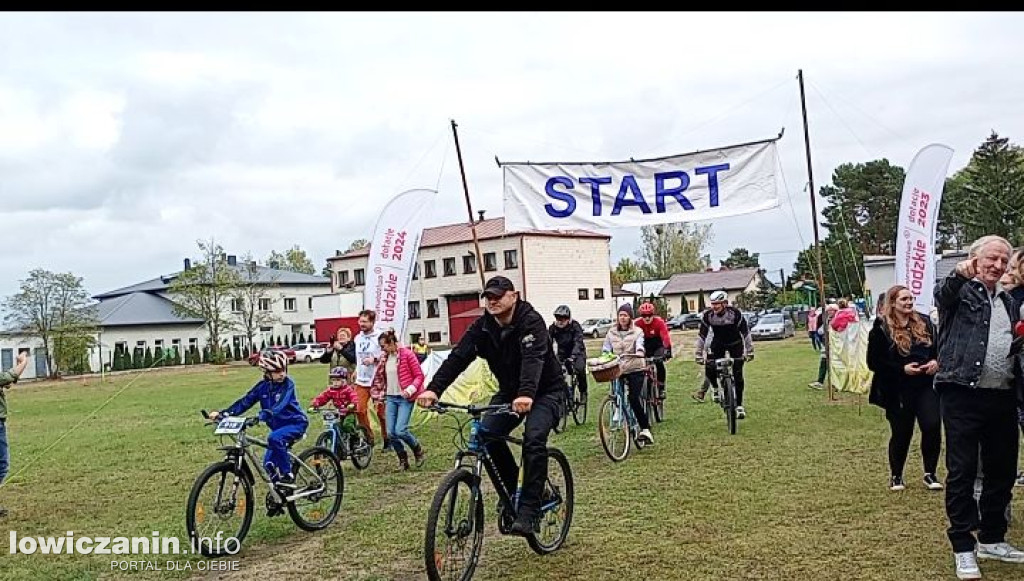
[(308, 352), (675, 322), (595, 328), (751, 318), (255, 356), (691, 320), (773, 326)]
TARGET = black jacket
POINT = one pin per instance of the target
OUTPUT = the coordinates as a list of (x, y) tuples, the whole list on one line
[(887, 363), (568, 341), (348, 351), (964, 315), (519, 356)]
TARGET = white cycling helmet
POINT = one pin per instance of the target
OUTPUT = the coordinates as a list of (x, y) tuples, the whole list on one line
[(719, 297)]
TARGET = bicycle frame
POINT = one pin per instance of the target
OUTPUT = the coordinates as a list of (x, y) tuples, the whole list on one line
[(241, 455), (618, 391)]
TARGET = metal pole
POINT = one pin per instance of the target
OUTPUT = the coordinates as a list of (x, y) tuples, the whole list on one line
[(469, 206), (814, 217)]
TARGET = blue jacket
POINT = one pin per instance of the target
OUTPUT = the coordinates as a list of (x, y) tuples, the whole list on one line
[(278, 405)]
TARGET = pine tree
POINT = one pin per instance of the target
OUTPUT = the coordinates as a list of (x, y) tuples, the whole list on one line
[(701, 305), (147, 360)]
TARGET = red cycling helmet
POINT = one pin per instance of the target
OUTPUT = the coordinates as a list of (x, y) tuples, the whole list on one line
[(646, 309)]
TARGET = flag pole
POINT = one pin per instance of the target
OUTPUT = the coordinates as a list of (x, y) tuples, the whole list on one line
[(817, 239), (469, 206)]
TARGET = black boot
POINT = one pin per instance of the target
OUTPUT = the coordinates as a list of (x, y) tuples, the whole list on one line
[(525, 525), (403, 460), (420, 455)]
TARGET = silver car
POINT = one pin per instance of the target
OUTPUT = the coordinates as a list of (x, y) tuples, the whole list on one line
[(595, 328), (773, 326)]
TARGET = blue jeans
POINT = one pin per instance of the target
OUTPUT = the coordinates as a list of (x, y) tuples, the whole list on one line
[(278, 443), (397, 412), (5, 455)]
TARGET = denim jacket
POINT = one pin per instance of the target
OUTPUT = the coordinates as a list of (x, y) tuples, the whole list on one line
[(964, 315)]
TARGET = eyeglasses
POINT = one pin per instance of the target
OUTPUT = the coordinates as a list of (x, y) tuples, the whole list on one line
[(561, 318)]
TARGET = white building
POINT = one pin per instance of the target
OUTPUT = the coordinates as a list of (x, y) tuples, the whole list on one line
[(688, 286), (141, 316), (880, 271), (549, 268)]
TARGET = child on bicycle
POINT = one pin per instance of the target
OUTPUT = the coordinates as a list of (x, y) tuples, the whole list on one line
[(340, 393), (280, 410)]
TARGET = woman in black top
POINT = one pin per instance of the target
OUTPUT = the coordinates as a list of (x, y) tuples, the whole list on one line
[(902, 353)]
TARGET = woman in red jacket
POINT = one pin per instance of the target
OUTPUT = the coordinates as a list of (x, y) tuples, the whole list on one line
[(399, 378)]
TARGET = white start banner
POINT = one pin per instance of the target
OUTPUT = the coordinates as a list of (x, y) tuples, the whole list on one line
[(393, 250), (703, 185), (919, 214)]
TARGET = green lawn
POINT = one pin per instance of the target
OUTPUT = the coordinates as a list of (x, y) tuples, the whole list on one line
[(800, 493)]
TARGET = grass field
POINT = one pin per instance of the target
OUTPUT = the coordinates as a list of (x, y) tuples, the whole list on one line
[(799, 493)]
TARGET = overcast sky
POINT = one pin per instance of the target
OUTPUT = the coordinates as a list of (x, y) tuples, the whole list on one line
[(125, 138)]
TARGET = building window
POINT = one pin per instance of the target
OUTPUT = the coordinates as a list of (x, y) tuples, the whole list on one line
[(434, 337), (433, 311), (414, 338), (122, 345), (449, 267), (289, 305), (584, 294), (598, 294), (490, 262), (416, 271), (311, 303), (414, 310), (158, 344), (429, 269), (343, 278), (193, 343), (511, 260), (693, 305), (176, 343), (140, 344), (264, 304), (237, 305), (468, 264), (360, 276)]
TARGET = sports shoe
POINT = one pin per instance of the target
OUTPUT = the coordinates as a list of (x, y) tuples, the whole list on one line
[(896, 484), (698, 396), (661, 391), (966, 565), (1004, 552), (646, 435), (931, 482), (1020, 479), (815, 385), (525, 525), (420, 456), (716, 395), (741, 413)]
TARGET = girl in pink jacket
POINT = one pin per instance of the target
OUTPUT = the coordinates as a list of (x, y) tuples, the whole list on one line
[(845, 316), (399, 378)]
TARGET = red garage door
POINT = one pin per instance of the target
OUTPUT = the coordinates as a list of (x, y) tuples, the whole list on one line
[(462, 311)]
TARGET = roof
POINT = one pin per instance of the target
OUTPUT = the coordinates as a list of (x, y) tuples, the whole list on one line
[(263, 274), (485, 230), (139, 308), (944, 263), (722, 279), (645, 287), (619, 291)]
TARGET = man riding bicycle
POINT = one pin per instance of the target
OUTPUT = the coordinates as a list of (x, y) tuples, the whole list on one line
[(512, 339), (657, 343), (567, 335), (729, 335)]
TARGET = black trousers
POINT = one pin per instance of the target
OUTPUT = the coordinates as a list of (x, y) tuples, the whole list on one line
[(973, 418), (634, 386), (539, 423), (736, 352), (917, 403)]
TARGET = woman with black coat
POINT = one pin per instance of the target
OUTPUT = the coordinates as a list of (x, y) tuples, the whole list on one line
[(902, 353)]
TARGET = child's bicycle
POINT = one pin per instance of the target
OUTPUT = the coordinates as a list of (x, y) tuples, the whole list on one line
[(455, 523), (220, 504), (343, 436)]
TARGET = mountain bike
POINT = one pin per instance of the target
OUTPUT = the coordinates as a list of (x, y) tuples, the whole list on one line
[(617, 425), (455, 522), (343, 436), (573, 402), (223, 493), (725, 393)]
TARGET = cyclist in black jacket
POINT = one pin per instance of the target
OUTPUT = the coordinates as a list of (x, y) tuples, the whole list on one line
[(567, 334), (512, 338), (730, 334)]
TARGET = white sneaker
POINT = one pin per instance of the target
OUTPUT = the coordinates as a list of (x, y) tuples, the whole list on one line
[(646, 434), (1004, 552), (966, 565), (741, 413)]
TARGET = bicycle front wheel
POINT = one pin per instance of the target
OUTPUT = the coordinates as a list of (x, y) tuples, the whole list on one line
[(219, 510), (361, 449), (319, 479), (455, 528), (729, 405), (613, 428), (557, 503), (579, 408)]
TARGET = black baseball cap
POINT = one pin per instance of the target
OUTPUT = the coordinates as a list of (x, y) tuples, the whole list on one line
[(497, 285)]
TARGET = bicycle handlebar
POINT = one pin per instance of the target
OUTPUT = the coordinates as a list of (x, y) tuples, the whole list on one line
[(473, 410)]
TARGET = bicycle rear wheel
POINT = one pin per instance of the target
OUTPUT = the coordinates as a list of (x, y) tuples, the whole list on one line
[(558, 500), (318, 469), (613, 427), (579, 408), (455, 528), (729, 405), (361, 451), (219, 507)]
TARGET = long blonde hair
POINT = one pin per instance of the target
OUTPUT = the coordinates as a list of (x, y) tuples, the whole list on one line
[(1015, 270), (904, 335)]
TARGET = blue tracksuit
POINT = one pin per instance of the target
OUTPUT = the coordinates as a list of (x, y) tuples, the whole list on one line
[(280, 410)]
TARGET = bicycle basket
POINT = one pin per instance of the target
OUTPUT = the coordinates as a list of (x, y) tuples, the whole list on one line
[(604, 371)]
